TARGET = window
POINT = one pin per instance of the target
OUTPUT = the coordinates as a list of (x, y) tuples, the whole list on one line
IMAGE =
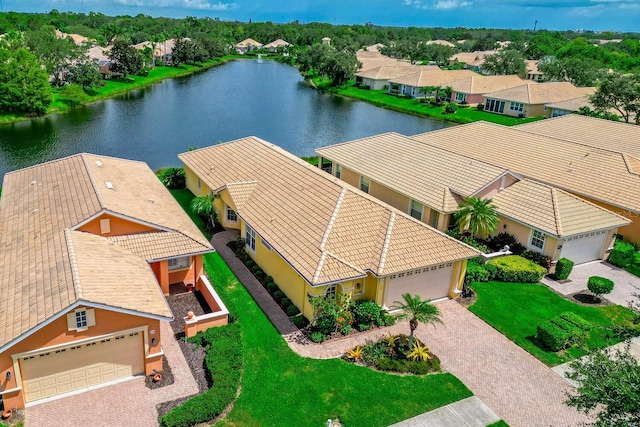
[(537, 239), (330, 292), (250, 238), (365, 184), (105, 226), (461, 97), (415, 210), (199, 184), (434, 217), (179, 263), (338, 171), (516, 106), (231, 214), (494, 106), (81, 319)]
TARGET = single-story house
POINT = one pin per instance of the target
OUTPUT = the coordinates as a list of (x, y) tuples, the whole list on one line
[(470, 90), (472, 60), (247, 45), (592, 162), (411, 84), (378, 78), (76, 38), (274, 45), (529, 99), (316, 235), (104, 67), (88, 248), (542, 218), (562, 108), (441, 43), (532, 72)]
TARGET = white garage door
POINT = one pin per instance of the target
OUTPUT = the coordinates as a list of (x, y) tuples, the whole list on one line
[(584, 248), (430, 283), (81, 366)]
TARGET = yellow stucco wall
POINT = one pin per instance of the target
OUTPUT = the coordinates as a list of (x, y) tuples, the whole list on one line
[(631, 232), (523, 234)]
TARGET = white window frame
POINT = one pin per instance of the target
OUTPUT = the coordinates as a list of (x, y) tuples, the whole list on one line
[(250, 238), (417, 207), (230, 213), (179, 263), (331, 290), (434, 218), (461, 97), (338, 171), (537, 236), (81, 320), (365, 184), (518, 107)]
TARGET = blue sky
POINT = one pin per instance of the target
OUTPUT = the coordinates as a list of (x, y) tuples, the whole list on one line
[(599, 15)]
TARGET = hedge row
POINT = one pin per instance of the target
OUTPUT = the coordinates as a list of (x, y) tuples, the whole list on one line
[(622, 254), (513, 268), (224, 365), (562, 331)]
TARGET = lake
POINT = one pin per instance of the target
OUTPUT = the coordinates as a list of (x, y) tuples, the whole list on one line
[(240, 98)]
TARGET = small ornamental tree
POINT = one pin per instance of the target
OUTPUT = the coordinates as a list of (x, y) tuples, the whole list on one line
[(417, 311), (599, 286)]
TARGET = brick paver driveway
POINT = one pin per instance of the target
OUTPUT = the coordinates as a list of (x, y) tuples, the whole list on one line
[(129, 403)]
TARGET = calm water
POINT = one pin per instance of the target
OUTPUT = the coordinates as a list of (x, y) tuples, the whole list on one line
[(238, 99)]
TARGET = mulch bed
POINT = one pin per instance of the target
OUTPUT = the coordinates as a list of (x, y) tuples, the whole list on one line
[(167, 376), (587, 299)]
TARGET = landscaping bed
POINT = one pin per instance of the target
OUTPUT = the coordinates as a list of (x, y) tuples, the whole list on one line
[(516, 310)]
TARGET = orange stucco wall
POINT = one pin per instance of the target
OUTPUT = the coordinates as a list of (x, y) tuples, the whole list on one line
[(188, 275), (491, 190), (56, 333), (119, 226)]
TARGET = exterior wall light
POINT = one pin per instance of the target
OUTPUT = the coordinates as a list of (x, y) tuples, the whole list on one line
[(8, 376), (154, 342)]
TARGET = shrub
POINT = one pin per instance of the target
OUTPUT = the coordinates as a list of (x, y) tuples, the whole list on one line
[(272, 287), (285, 302), (268, 279), (365, 311), (345, 329), (326, 324), (292, 310), (172, 178), (563, 268), (364, 326), (299, 321), (480, 107), (501, 240), (389, 320), (599, 285), (372, 352), (278, 295), (622, 254), (552, 337), (513, 268), (541, 259), (475, 273), (451, 108), (317, 337), (575, 320), (223, 363), (492, 270)]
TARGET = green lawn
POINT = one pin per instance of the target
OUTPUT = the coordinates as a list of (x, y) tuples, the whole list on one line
[(383, 99), (280, 388), (515, 309)]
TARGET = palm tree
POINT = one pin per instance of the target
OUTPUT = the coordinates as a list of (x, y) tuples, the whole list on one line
[(417, 311), (203, 206), (477, 216)]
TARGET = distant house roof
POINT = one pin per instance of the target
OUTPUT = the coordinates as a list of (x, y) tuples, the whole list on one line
[(589, 131), (77, 38), (411, 169), (374, 47), (98, 53), (572, 104), (531, 66), (541, 93), (385, 72), (441, 43), (276, 44), (600, 174), (482, 84), (47, 265), (554, 211), (432, 78), (312, 218), (471, 57), (249, 42)]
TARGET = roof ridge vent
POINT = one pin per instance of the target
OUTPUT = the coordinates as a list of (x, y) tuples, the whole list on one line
[(109, 185), (98, 163)]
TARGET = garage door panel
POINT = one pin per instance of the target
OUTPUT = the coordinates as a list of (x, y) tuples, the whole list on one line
[(584, 248), (48, 374), (431, 283)]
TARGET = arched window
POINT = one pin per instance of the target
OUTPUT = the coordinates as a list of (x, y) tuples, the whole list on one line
[(330, 292)]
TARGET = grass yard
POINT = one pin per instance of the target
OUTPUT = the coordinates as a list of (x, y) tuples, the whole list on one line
[(515, 309), (281, 388), (383, 99)]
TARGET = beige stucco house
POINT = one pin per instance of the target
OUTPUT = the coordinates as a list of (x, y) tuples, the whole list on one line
[(377, 78), (411, 84), (471, 90), (544, 219)]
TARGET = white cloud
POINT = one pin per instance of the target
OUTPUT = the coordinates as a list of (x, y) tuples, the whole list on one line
[(451, 4), (178, 4)]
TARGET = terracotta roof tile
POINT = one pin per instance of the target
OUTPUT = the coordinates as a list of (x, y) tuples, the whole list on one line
[(432, 78), (541, 93)]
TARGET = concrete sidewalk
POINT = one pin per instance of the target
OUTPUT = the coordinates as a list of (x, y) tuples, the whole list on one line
[(471, 412)]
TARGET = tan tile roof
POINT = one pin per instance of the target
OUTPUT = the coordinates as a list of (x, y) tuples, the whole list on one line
[(41, 202), (158, 245), (410, 171), (249, 42), (277, 43), (433, 78), (441, 43), (326, 229), (125, 282), (386, 72), (532, 66), (554, 211), (240, 192), (599, 133), (595, 173), (541, 93), (374, 47), (482, 84), (571, 104), (468, 57)]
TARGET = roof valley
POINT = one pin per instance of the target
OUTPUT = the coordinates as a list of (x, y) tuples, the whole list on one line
[(556, 211)]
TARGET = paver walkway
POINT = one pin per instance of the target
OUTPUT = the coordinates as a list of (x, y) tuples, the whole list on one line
[(626, 284), (516, 386), (129, 403)]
